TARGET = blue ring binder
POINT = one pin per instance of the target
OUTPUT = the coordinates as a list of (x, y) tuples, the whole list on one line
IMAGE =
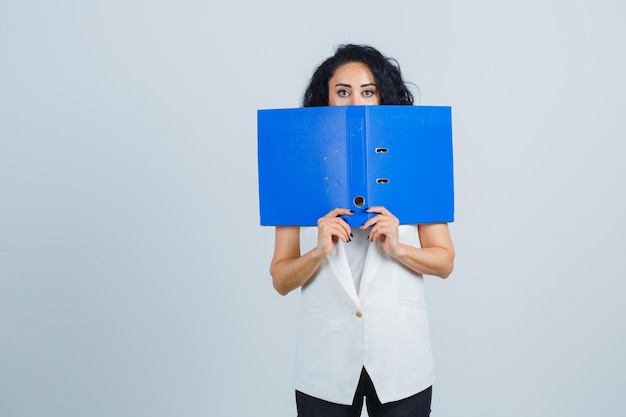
[(312, 160)]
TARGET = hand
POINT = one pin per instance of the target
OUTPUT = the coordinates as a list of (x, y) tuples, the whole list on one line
[(331, 228), (385, 229)]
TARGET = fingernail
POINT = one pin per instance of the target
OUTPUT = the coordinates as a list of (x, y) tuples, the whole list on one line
[(351, 235), (351, 211)]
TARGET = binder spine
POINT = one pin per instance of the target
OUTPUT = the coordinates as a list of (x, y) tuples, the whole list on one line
[(358, 192)]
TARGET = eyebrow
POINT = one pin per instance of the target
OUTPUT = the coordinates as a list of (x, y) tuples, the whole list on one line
[(348, 85)]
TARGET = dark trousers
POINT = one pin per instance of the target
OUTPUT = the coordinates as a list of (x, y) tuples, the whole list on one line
[(417, 405)]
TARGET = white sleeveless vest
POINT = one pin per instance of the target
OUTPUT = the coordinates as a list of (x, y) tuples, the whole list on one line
[(384, 327)]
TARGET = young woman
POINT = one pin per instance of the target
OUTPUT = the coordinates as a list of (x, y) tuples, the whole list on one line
[(363, 329)]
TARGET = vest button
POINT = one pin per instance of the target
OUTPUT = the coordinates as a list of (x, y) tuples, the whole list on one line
[(358, 313)]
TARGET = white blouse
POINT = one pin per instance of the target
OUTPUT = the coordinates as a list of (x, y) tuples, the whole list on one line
[(356, 250)]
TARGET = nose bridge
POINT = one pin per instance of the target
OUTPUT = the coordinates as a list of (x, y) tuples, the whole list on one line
[(356, 99)]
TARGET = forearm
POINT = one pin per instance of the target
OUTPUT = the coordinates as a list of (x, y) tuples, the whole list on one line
[(289, 269), (289, 274), (437, 261)]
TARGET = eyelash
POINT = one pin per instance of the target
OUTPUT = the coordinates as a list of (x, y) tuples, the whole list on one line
[(346, 93)]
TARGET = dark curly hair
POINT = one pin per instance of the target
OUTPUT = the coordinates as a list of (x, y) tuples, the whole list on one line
[(391, 87)]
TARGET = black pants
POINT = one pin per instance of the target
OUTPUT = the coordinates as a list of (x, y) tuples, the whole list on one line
[(417, 405)]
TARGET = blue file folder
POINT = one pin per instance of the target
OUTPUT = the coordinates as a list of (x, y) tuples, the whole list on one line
[(314, 159)]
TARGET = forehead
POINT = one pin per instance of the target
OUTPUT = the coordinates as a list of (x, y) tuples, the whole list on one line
[(353, 70)]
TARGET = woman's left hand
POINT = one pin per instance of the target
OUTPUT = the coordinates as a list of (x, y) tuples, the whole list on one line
[(384, 229)]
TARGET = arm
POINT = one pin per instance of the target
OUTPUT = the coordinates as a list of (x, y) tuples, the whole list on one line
[(436, 255), (290, 269)]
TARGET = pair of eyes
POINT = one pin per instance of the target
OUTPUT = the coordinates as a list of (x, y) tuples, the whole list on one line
[(365, 93)]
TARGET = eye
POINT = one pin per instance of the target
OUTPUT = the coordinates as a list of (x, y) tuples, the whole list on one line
[(343, 93), (368, 93)]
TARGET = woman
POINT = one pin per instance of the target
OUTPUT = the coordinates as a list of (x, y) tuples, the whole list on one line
[(363, 329)]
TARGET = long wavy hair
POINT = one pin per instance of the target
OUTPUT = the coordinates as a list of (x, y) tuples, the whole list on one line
[(391, 87)]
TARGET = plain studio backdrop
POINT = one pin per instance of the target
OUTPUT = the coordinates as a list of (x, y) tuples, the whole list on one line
[(134, 273)]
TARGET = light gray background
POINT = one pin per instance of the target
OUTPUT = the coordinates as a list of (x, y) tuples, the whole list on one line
[(133, 272)]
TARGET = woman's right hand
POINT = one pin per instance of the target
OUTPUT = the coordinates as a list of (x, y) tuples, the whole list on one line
[(330, 228), (289, 268)]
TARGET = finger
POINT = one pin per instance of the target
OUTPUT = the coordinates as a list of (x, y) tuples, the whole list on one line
[(335, 227), (337, 230), (339, 212), (375, 232), (378, 209), (340, 221), (387, 226), (334, 220), (372, 221)]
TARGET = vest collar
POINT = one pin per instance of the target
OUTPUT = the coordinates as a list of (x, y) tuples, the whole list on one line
[(338, 262)]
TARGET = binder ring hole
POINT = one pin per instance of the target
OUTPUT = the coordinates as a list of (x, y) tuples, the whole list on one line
[(382, 180), (382, 150), (359, 201)]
